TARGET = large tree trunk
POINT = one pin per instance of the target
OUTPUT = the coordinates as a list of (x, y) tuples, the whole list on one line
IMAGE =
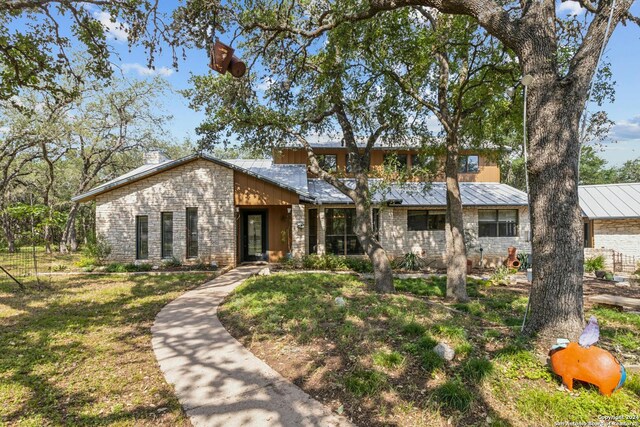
[(456, 252), (383, 276), (556, 306), (68, 242)]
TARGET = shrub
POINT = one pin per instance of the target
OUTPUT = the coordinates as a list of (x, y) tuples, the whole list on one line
[(172, 262), (523, 257), (86, 261), (594, 263), (98, 249), (500, 276), (116, 267), (359, 265), (412, 262), (324, 262)]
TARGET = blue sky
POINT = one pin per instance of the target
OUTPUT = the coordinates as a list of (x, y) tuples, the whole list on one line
[(623, 52)]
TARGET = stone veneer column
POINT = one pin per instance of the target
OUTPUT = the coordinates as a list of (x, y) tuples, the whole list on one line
[(298, 231), (321, 231)]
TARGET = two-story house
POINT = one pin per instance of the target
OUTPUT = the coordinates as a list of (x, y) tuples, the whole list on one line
[(230, 211)]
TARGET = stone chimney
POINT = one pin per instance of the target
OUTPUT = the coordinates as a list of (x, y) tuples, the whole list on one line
[(155, 157)]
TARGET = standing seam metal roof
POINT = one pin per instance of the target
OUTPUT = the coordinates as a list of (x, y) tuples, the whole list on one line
[(610, 201)]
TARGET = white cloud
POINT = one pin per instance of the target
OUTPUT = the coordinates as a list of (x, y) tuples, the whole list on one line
[(115, 30), (570, 8), (144, 71), (265, 84), (627, 129)]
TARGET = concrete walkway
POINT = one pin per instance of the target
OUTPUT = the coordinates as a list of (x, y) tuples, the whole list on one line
[(217, 380)]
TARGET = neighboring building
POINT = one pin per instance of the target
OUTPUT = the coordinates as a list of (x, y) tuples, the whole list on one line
[(611, 218), (229, 211)]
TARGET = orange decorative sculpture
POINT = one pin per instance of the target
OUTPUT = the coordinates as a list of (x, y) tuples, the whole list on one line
[(585, 362)]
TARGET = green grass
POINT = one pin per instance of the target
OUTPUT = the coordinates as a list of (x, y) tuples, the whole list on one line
[(79, 352), (374, 357)]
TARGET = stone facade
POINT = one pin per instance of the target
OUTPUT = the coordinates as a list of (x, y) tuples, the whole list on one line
[(200, 184), (620, 235), (298, 231), (398, 240)]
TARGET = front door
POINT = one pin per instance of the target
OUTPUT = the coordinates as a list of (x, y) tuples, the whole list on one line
[(254, 235)]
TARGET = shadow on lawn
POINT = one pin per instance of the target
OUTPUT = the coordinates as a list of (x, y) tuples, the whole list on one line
[(62, 346), (344, 370)]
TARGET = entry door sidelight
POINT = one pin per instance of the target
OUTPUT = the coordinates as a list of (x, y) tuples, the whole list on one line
[(254, 236)]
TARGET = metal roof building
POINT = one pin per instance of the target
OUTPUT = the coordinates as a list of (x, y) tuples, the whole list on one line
[(610, 201)]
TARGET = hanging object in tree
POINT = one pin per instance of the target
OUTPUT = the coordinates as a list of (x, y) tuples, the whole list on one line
[(222, 60)]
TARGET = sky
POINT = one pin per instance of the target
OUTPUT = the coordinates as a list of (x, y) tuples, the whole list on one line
[(623, 52)]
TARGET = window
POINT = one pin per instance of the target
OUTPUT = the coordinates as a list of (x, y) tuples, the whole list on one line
[(421, 161), (396, 161), (375, 222), (498, 223), (328, 162), (421, 220), (312, 221), (469, 164), (437, 220), (417, 220), (192, 232), (142, 237), (340, 238), (166, 236)]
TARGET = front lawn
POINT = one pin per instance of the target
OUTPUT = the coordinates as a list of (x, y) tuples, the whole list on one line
[(79, 352), (373, 361)]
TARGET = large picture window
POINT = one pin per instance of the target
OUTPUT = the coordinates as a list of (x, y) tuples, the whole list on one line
[(340, 239), (498, 222), (166, 238), (142, 237), (469, 164), (312, 221), (425, 220), (192, 232)]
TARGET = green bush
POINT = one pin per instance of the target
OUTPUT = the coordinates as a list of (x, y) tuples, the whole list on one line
[(115, 267), (359, 265), (98, 249), (172, 262), (594, 264), (333, 263), (86, 261), (412, 262)]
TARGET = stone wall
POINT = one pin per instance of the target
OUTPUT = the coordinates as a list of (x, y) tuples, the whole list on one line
[(620, 235), (398, 240), (201, 184), (298, 231)]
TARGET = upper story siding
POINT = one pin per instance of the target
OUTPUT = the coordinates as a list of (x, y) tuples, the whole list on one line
[(488, 170)]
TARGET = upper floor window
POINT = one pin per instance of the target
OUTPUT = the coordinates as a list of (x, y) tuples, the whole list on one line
[(423, 220), (498, 223), (421, 161), (469, 164), (351, 158), (328, 162), (396, 161)]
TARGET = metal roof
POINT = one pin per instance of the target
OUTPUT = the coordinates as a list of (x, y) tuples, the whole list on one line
[(610, 201), (424, 194), (148, 170), (294, 175)]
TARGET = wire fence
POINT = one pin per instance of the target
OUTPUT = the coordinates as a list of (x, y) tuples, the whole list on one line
[(625, 263), (24, 266)]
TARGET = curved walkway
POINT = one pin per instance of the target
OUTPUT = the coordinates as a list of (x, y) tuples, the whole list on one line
[(217, 380)]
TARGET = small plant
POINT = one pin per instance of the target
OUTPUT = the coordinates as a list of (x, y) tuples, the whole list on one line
[(172, 262), (500, 276), (594, 264), (412, 262), (60, 267), (116, 267), (363, 382), (454, 395), (477, 369), (431, 361), (524, 257), (414, 329), (86, 261), (98, 249)]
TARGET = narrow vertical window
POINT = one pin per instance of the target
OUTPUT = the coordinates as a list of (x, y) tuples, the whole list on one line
[(142, 237), (192, 232), (167, 234), (312, 221)]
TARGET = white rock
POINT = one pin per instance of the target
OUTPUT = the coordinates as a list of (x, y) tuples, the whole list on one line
[(264, 272), (444, 351), (340, 302), (623, 284)]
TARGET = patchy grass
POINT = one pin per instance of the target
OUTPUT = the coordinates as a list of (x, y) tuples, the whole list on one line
[(374, 358), (79, 352)]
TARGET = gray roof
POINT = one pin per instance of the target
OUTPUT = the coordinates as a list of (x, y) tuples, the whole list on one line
[(294, 176), (610, 201), (280, 178), (424, 194)]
